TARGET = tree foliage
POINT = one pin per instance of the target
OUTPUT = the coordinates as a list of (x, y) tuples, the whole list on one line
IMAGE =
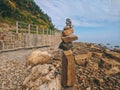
[(24, 10)]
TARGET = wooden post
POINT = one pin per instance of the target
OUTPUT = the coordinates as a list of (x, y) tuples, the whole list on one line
[(51, 37), (36, 35), (12, 41), (44, 36), (37, 30), (17, 27), (43, 31), (29, 29), (29, 35), (47, 38), (20, 39), (2, 45), (24, 36)]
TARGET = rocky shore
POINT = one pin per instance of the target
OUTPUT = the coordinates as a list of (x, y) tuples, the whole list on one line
[(97, 68)]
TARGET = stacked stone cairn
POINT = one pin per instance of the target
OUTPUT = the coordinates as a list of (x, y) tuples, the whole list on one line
[(68, 64)]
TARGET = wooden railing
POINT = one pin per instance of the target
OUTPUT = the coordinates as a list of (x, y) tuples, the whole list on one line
[(27, 36)]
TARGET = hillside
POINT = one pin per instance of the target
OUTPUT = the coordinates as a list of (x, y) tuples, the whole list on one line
[(25, 11)]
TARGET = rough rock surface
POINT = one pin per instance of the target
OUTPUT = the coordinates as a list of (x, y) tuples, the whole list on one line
[(98, 71), (38, 57)]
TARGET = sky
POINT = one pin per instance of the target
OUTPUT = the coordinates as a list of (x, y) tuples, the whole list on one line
[(95, 21)]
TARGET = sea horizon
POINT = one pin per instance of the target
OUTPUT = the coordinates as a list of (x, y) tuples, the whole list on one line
[(110, 45)]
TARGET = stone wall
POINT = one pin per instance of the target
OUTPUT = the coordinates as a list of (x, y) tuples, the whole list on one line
[(25, 40)]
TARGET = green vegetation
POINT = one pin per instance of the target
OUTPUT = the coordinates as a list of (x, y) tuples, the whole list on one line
[(24, 10)]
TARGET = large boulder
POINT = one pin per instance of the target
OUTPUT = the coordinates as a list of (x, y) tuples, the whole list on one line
[(38, 57), (42, 77)]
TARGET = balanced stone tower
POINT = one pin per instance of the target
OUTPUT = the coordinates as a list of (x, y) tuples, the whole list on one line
[(68, 63)]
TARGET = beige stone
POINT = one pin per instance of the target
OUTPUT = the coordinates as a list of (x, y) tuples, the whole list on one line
[(110, 65), (113, 54), (68, 69), (67, 32), (39, 75), (81, 58), (70, 38), (109, 62), (68, 52), (67, 27), (38, 57), (97, 55)]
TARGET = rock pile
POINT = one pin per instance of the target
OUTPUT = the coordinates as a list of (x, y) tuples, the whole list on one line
[(67, 36), (68, 64), (43, 75), (97, 69)]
